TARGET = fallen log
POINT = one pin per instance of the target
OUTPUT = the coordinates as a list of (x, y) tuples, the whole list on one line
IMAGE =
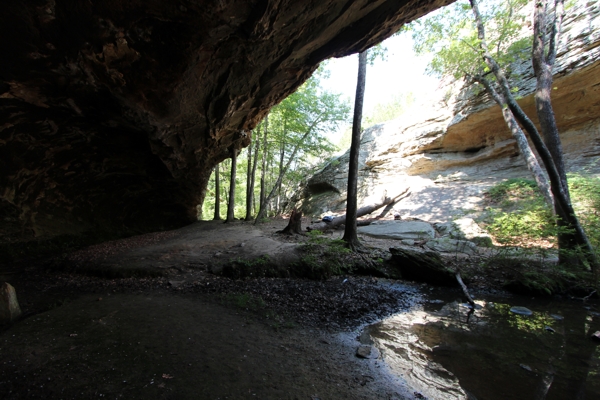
[(365, 210)]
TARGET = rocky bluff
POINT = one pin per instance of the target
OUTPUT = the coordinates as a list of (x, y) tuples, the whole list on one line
[(113, 113), (455, 145)]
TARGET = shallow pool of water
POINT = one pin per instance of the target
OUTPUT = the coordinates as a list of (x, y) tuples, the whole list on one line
[(448, 351)]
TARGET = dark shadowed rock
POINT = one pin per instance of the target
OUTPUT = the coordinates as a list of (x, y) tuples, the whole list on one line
[(422, 266), (115, 112)]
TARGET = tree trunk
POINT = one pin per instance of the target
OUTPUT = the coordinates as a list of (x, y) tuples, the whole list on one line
[(350, 231), (231, 202), (217, 215), (530, 159), (364, 210), (248, 177), (562, 201), (282, 171), (294, 225), (250, 193), (263, 170)]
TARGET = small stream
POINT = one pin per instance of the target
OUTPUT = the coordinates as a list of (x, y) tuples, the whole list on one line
[(446, 350)]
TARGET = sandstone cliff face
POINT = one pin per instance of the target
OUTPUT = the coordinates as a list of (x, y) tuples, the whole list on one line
[(113, 113), (453, 147)]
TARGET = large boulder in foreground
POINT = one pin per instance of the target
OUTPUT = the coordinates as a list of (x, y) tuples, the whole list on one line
[(115, 112), (422, 266)]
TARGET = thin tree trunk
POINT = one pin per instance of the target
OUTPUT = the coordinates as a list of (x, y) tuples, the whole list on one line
[(263, 171), (248, 178), (250, 196), (350, 231), (217, 215), (282, 171), (231, 202)]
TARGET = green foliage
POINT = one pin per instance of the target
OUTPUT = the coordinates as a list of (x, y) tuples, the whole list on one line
[(585, 192), (259, 267), (383, 112), (519, 214), (323, 257), (302, 121), (535, 323), (246, 301), (450, 35)]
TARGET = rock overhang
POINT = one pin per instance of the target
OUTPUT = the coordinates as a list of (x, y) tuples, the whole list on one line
[(113, 113)]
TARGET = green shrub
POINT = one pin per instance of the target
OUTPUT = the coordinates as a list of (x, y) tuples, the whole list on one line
[(585, 193), (520, 216)]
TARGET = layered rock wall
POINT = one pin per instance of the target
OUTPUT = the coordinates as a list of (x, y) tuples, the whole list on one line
[(452, 147), (113, 113)]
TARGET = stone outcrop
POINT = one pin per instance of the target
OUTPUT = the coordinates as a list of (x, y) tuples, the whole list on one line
[(113, 113), (451, 148), (9, 305)]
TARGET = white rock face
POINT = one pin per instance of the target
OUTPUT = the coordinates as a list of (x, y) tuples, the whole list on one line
[(452, 148), (411, 230)]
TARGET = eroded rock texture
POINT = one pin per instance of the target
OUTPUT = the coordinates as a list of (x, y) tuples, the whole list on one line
[(113, 113), (455, 145)]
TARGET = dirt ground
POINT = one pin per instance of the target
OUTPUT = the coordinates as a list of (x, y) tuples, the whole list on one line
[(155, 323)]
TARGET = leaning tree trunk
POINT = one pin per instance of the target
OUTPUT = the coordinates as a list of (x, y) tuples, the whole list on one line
[(530, 159), (562, 201), (350, 231), (231, 202)]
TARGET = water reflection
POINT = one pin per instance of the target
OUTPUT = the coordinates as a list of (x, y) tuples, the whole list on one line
[(450, 351)]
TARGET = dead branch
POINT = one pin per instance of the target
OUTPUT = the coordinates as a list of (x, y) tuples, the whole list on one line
[(365, 210)]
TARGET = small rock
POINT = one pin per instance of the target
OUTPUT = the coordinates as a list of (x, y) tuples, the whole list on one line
[(521, 311), (526, 367), (596, 335), (366, 351), (557, 317), (176, 283), (9, 306), (549, 329)]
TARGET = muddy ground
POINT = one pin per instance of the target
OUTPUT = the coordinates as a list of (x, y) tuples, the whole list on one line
[(146, 317)]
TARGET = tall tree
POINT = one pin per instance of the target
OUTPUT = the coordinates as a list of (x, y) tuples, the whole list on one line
[(232, 183), (465, 50), (298, 126), (217, 215), (350, 231), (252, 175), (263, 170)]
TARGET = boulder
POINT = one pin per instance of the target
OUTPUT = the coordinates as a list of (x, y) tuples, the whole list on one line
[(449, 245), (400, 230), (9, 306), (422, 266)]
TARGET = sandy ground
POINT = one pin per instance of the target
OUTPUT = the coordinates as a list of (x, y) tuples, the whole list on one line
[(188, 334)]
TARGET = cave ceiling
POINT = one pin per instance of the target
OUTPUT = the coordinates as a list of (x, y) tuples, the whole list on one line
[(113, 113)]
